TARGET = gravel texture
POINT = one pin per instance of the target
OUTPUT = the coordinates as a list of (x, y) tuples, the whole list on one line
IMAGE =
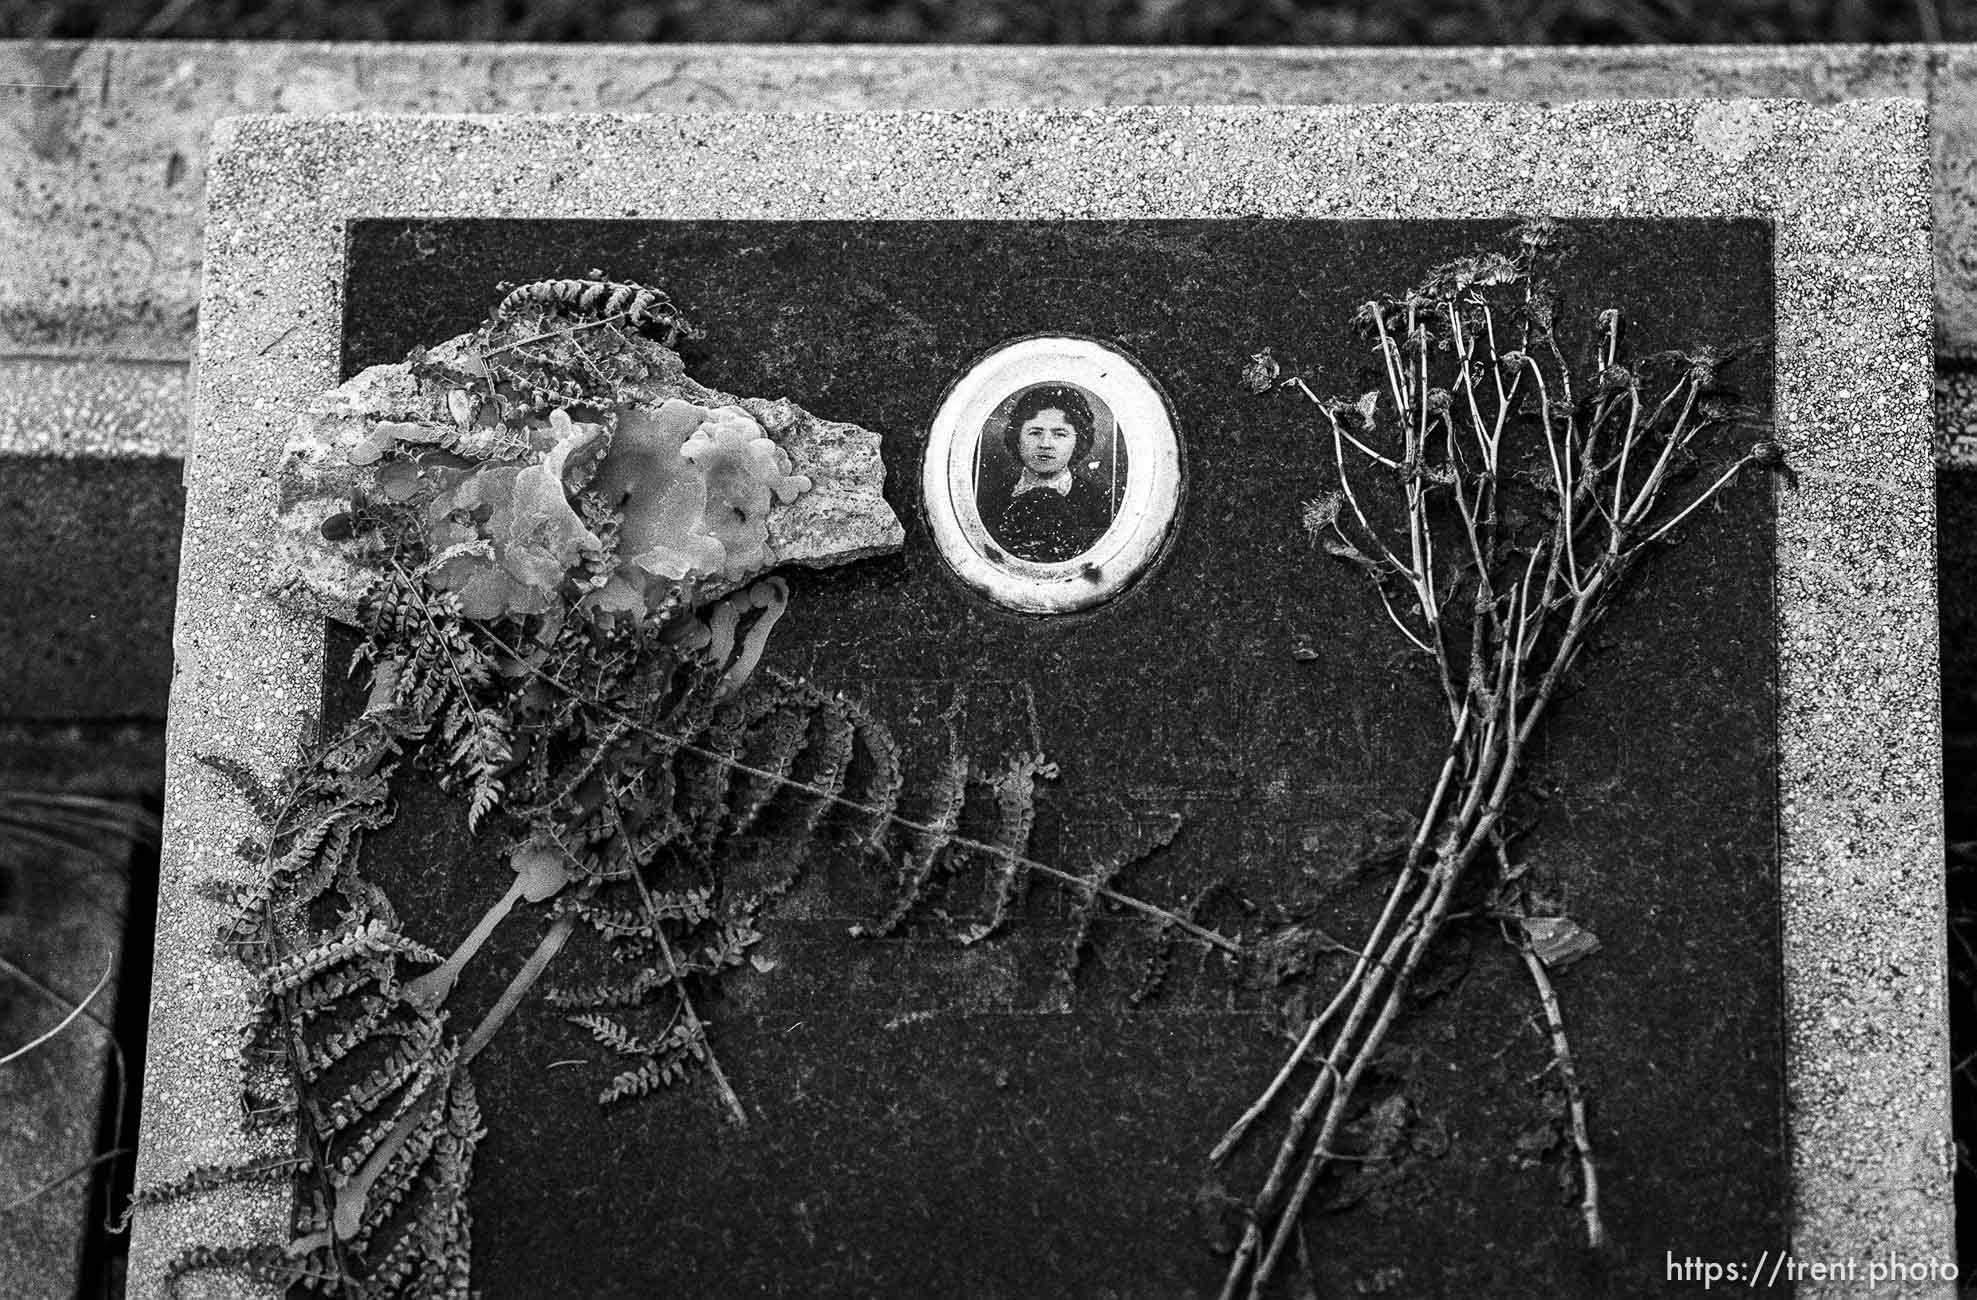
[(100, 233), (125, 410), (105, 142), (1847, 186)]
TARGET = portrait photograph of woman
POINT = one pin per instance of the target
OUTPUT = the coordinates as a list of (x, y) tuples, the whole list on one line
[(1051, 469), (1052, 473)]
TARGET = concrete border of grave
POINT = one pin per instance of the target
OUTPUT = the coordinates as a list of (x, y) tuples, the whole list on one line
[(104, 232), (1846, 186)]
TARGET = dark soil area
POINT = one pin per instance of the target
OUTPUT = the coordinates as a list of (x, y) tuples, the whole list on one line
[(75, 897), (88, 566)]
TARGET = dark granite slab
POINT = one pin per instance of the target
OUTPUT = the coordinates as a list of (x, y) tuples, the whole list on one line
[(929, 1122)]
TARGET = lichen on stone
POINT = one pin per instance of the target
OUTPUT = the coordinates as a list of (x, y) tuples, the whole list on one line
[(517, 558), (695, 486), (583, 470)]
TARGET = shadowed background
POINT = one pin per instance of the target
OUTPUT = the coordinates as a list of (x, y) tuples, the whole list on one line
[(1272, 22)]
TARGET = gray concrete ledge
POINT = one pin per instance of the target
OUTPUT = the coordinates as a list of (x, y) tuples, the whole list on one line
[(69, 407), (103, 145), (1859, 737)]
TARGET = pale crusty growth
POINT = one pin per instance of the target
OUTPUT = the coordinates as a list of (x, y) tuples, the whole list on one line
[(714, 489)]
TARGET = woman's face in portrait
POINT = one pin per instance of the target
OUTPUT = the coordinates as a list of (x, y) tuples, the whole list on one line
[(1046, 441)]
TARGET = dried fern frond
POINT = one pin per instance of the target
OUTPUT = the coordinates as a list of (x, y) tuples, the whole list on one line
[(1143, 845), (927, 844), (886, 781), (612, 1034), (786, 737), (683, 1047), (416, 1058), (399, 1178), (607, 994), (369, 939), (270, 1265), (1160, 955), (208, 1178), (1016, 809)]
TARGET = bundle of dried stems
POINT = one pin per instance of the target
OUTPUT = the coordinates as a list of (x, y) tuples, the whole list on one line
[(1498, 508)]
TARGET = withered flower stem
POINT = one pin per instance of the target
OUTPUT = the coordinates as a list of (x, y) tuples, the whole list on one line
[(1407, 484)]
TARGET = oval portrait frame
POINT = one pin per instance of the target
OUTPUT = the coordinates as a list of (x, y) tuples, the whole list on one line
[(1146, 511)]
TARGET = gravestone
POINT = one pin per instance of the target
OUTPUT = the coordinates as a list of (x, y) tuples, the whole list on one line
[(1725, 795)]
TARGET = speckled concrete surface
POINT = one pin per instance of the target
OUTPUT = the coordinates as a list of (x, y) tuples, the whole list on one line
[(1849, 190), (105, 142), (77, 408)]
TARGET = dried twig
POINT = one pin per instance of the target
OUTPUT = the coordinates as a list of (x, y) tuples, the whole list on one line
[(75, 1014), (545, 952), (546, 335), (1575, 1098), (26, 1199), (1504, 618), (678, 977), (73, 823)]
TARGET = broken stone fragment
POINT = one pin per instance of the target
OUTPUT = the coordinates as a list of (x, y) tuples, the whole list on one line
[(713, 489)]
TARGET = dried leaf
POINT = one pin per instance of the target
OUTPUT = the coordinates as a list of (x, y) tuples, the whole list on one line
[(1559, 941), (1261, 372)]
